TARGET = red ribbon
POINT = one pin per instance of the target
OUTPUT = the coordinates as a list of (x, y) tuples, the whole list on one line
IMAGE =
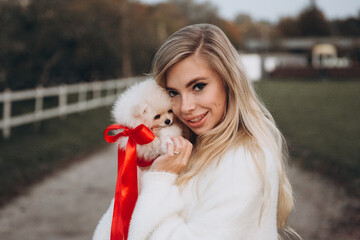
[(126, 191)]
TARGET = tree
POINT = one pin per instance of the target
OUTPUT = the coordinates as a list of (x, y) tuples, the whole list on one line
[(288, 27), (125, 39), (61, 42), (312, 22), (349, 27), (250, 29)]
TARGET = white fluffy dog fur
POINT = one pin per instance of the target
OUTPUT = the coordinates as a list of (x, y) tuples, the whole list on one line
[(147, 103)]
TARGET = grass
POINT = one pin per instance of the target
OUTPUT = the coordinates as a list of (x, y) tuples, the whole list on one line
[(32, 151), (320, 121)]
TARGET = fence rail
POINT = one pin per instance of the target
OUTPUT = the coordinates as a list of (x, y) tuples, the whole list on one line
[(103, 93)]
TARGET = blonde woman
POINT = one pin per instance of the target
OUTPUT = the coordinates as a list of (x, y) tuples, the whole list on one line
[(229, 181)]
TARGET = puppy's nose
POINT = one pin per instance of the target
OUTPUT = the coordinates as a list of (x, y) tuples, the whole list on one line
[(167, 121)]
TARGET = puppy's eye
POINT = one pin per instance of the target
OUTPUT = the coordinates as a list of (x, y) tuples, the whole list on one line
[(157, 116), (170, 111)]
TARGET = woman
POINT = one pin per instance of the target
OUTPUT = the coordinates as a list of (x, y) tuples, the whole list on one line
[(230, 181)]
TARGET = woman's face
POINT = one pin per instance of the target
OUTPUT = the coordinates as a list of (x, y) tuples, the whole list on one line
[(198, 94)]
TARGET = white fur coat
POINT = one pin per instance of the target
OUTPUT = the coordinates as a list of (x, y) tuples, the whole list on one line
[(223, 202)]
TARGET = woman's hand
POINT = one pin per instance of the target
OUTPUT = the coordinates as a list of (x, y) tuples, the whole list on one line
[(176, 158)]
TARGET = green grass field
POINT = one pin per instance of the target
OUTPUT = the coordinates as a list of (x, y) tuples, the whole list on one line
[(321, 122)]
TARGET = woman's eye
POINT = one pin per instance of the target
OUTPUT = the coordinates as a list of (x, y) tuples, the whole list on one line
[(172, 93), (157, 116), (199, 86)]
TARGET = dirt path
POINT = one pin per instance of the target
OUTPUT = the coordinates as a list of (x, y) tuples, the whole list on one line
[(69, 204), (322, 208)]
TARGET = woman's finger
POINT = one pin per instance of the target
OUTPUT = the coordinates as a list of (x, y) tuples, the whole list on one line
[(170, 149), (177, 145)]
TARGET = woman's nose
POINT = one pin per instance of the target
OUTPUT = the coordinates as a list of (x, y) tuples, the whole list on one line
[(187, 104)]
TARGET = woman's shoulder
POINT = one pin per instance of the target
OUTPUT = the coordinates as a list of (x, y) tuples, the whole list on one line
[(235, 175), (241, 161), (241, 155), (234, 165)]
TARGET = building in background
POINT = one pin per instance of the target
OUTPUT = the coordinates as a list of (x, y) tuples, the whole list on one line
[(325, 57)]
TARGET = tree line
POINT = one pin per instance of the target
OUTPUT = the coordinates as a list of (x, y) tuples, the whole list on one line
[(49, 42)]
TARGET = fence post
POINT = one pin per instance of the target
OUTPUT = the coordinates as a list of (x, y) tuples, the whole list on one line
[(62, 100), (7, 113), (110, 93), (82, 96), (39, 102), (96, 90)]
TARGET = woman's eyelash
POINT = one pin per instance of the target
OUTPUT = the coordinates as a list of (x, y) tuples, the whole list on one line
[(199, 86)]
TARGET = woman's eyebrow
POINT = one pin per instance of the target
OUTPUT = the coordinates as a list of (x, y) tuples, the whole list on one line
[(169, 89)]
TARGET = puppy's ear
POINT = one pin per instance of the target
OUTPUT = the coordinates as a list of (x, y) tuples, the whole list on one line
[(140, 110)]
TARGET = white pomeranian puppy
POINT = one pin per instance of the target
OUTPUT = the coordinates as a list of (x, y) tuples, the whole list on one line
[(149, 104)]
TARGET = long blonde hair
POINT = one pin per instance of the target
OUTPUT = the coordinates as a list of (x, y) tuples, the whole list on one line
[(246, 121)]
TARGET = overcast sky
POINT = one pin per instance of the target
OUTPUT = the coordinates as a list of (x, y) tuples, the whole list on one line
[(272, 10)]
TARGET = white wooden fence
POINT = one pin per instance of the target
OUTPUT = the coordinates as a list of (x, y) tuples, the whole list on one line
[(103, 93)]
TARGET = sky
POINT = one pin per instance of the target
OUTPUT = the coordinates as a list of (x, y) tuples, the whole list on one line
[(272, 10)]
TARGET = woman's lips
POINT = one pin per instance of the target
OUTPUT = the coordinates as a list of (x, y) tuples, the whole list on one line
[(197, 121)]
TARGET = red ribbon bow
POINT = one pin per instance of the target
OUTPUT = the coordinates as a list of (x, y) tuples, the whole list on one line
[(126, 191)]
